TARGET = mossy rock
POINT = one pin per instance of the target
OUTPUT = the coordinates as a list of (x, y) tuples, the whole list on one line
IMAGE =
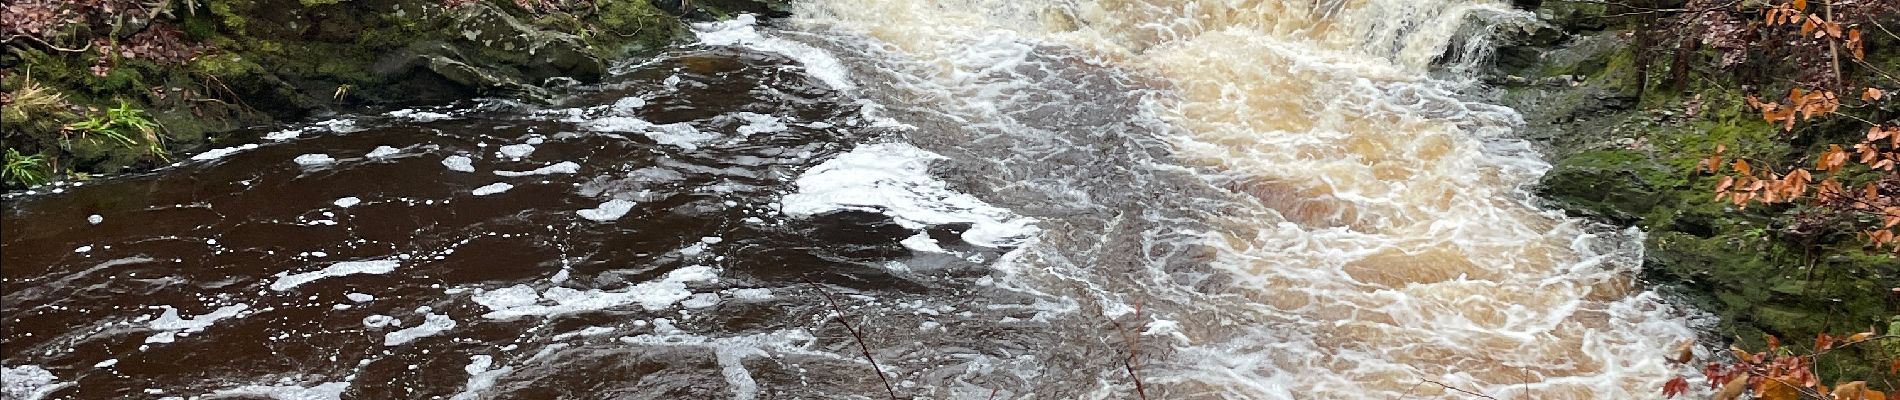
[(1633, 161), (1616, 185)]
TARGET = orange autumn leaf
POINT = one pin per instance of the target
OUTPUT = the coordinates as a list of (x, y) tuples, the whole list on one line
[(1830, 190), (1684, 352), (1855, 45), (1796, 183), (1871, 94), (1778, 389), (1832, 160), (1733, 389)]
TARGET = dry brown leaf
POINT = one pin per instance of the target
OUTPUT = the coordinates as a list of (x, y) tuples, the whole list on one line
[(1777, 389), (1684, 352), (1733, 389), (1850, 391)]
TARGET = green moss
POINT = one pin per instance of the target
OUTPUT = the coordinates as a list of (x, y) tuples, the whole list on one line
[(231, 13), (1634, 161), (626, 27)]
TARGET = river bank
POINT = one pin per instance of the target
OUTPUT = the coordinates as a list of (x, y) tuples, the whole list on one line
[(1626, 128)]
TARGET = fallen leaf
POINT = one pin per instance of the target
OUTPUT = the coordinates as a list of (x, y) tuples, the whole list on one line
[(1684, 352), (1733, 389)]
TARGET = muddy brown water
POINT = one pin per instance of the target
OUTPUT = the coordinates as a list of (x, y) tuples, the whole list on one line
[(204, 235)]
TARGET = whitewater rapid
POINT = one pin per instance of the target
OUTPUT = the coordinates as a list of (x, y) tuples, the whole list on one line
[(1366, 227)]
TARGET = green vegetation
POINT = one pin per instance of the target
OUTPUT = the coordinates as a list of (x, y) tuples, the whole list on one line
[(1635, 100), (126, 125), (24, 170)]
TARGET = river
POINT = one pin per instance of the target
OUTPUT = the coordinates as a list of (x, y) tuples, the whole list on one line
[(1050, 199)]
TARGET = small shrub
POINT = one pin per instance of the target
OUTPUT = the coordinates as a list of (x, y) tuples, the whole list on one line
[(126, 125), (23, 170)]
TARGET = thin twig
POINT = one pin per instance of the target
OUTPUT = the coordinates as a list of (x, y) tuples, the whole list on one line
[(863, 348), (1408, 391), (1833, 48), (1460, 390), (1883, 28), (1134, 353), (49, 45)]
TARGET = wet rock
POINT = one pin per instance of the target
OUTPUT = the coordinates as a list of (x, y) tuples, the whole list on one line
[(721, 9), (1521, 45), (1614, 185)]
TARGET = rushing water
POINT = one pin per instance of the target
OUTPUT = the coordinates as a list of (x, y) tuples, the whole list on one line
[(1009, 199)]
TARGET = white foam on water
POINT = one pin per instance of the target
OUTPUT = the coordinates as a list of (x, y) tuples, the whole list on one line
[(894, 179), (492, 188), (95, 219), (108, 363), (742, 31), (759, 123), (693, 250), (359, 297), (322, 391), (587, 331), (679, 134), (516, 151), (922, 242), (382, 151), (432, 324), (169, 324), (333, 125), (700, 300), (379, 321), (480, 377), (564, 167), (627, 105), (314, 159), (659, 294), (607, 211), (83, 249), (218, 153), (347, 202), (459, 163), (751, 294), (289, 281), (283, 135), (28, 382), (420, 115)]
